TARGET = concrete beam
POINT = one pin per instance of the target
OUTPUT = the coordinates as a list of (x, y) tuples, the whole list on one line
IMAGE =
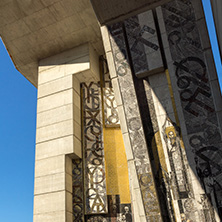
[(33, 30)]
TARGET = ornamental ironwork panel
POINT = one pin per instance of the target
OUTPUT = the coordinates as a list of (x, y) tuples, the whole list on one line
[(94, 167)]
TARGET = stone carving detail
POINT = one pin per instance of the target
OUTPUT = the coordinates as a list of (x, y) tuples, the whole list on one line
[(196, 101), (94, 169), (171, 165), (136, 134), (111, 117), (77, 189), (143, 43)]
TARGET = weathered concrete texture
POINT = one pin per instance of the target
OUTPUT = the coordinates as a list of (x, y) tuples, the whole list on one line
[(33, 30)]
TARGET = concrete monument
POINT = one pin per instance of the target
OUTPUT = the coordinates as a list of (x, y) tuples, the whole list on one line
[(129, 113)]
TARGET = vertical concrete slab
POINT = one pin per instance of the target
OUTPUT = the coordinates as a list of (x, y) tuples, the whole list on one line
[(144, 198), (197, 100), (58, 134)]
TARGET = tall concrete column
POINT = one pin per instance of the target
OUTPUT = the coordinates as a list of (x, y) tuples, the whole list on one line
[(58, 136), (145, 202)]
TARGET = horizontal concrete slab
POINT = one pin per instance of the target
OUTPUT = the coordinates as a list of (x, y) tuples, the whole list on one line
[(33, 30)]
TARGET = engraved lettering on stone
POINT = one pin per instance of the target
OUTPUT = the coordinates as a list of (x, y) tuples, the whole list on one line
[(197, 102)]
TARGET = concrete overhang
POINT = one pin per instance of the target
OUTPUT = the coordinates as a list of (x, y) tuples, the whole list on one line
[(36, 29)]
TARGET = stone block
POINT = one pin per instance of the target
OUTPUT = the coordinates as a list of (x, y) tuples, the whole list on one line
[(55, 86), (86, 76), (76, 85), (54, 72), (64, 57), (49, 166), (106, 40), (54, 131), (68, 182), (139, 201), (133, 175), (116, 89), (78, 65), (69, 217), (77, 147), (77, 114), (57, 147), (87, 64), (111, 65), (94, 62), (56, 115), (122, 119), (77, 130), (56, 216), (68, 202), (128, 147), (143, 218), (55, 100), (76, 99), (53, 183), (50, 202), (68, 165)]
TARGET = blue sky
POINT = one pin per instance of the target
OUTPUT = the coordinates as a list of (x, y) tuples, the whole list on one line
[(17, 135)]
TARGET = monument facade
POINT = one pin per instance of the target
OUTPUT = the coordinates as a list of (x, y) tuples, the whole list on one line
[(129, 112)]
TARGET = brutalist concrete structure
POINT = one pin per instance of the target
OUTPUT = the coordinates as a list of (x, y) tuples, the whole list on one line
[(129, 111)]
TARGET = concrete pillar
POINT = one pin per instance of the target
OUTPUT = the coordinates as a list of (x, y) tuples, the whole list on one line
[(58, 134), (144, 199)]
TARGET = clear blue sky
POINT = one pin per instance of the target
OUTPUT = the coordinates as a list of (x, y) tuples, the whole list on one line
[(17, 136)]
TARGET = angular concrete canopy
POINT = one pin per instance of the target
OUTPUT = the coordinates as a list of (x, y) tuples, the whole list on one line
[(36, 29)]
